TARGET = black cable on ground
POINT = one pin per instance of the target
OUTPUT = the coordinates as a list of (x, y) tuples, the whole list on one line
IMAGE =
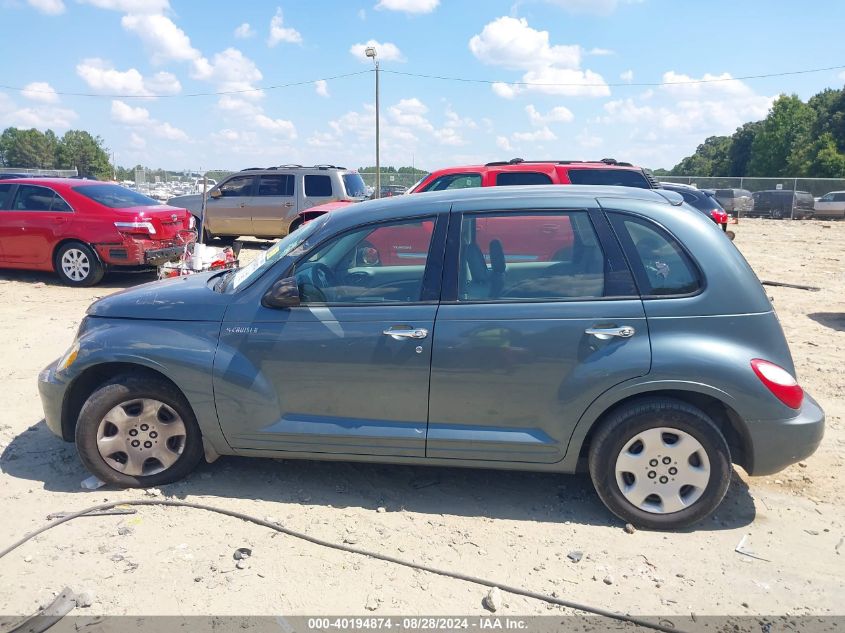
[(519, 591)]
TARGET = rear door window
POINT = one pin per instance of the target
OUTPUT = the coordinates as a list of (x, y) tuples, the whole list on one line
[(318, 186), (618, 177), (662, 268), (60, 205), (281, 185), (839, 197), (511, 178), (455, 181), (32, 198)]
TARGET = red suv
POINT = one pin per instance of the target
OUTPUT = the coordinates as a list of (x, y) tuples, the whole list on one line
[(81, 228)]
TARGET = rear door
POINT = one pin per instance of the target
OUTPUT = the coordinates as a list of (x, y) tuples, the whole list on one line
[(6, 226), (526, 338), (274, 206), (229, 213), (32, 224)]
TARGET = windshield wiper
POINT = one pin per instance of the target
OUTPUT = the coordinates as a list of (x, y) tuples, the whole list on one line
[(223, 280)]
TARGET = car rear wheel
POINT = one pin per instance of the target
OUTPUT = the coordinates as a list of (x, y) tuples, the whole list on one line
[(138, 431), (777, 214), (78, 265), (660, 464)]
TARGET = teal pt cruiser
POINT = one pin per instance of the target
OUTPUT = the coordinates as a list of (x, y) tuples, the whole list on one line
[(605, 329)]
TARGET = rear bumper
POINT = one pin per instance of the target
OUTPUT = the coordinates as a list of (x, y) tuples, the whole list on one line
[(52, 392), (775, 444), (139, 252)]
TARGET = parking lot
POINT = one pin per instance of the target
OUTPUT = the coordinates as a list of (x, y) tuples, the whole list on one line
[(516, 527)]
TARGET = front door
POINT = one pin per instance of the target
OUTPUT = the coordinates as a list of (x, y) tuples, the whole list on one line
[(347, 371), (539, 317), (227, 210), (31, 225), (274, 205)]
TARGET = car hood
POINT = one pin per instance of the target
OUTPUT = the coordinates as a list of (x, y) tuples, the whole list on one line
[(192, 202), (180, 299)]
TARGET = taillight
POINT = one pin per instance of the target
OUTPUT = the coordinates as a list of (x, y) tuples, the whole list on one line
[(780, 382), (136, 227)]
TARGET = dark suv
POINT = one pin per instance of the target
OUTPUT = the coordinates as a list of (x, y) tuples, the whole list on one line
[(782, 203)]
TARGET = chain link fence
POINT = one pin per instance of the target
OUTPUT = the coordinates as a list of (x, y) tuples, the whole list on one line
[(393, 183), (795, 198)]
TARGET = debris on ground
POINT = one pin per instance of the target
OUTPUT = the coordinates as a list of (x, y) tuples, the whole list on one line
[(91, 483), (608, 580), (629, 528), (575, 556), (373, 603), (742, 549), (242, 553), (493, 600)]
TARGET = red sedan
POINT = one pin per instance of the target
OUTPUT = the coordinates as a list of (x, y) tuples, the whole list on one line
[(82, 228)]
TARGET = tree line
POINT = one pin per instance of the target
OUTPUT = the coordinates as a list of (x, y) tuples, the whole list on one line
[(797, 138), (75, 149)]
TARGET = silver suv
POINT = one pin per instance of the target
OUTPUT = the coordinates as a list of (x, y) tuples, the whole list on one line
[(266, 202)]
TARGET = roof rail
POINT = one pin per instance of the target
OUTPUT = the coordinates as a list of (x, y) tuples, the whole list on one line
[(253, 169)]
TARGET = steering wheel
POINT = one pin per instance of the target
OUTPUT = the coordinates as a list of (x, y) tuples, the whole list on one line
[(323, 276)]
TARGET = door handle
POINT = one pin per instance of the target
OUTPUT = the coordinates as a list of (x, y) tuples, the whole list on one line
[(399, 334), (604, 333), (288, 204)]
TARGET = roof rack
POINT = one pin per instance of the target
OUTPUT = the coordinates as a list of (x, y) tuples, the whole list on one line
[(519, 161)]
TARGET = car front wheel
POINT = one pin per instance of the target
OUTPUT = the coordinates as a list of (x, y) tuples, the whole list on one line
[(77, 265), (137, 432), (660, 464)]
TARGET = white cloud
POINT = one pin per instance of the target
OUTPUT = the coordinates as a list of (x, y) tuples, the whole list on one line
[(122, 112), (48, 7), (244, 31), (231, 70), (321, 87), (165, 41), (42, 117), (600, 52), (543, 134), (587, 140), (411, 113), (100, 75), (449, 136), (511, 43), (842, 75), (40, 91), (131, 6), (552, 68), (276, 126), (387, 52), (454, 120), (137, 117), (502, 142), (281, 33), (136, 141), (362, 14), (558, 114), (627, 76), (409, 6)]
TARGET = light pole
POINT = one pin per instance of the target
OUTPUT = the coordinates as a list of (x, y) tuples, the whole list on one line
[(370, 51)]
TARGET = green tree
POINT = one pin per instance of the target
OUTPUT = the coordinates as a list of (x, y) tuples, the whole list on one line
[(710, 159), (28, 148), (826, 161), (778, 146), (78, 149), (739, 154)]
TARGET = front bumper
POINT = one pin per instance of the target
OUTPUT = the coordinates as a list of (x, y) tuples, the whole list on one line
[(775, 444), (52, 392)]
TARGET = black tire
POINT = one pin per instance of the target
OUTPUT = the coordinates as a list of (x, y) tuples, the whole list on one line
[(628, 422), (295, 225), (122, 389), (777, 214), (88, 270)]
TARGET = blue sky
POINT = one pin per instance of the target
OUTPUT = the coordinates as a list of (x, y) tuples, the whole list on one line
[(156, 52)]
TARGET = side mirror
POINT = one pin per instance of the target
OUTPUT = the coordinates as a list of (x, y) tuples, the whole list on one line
[(215, 193), (283, 294)]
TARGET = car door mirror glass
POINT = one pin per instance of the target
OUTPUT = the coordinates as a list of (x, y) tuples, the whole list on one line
[(215, 193), (283, 294)]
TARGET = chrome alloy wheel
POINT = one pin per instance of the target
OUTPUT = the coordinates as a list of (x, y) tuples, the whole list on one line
[(141, 437), (662, 470), (75, 264)]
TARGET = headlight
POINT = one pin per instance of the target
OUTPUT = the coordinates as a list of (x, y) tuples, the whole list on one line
[(69, 357)]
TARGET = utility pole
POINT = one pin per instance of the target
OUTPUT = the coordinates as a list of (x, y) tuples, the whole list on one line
[(370, 51)]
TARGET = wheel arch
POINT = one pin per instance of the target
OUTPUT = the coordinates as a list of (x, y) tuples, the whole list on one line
[(90, 379), (710, 401), (70, 240)]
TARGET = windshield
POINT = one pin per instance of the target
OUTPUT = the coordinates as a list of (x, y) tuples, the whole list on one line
[(355, 187), (297, 240), (115, 196)]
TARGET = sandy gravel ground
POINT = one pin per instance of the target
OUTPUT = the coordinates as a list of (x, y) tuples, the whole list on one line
[(516, 527)]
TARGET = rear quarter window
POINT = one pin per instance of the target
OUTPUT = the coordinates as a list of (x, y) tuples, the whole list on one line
[(319, 186), (660, 265), (5, 191)]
